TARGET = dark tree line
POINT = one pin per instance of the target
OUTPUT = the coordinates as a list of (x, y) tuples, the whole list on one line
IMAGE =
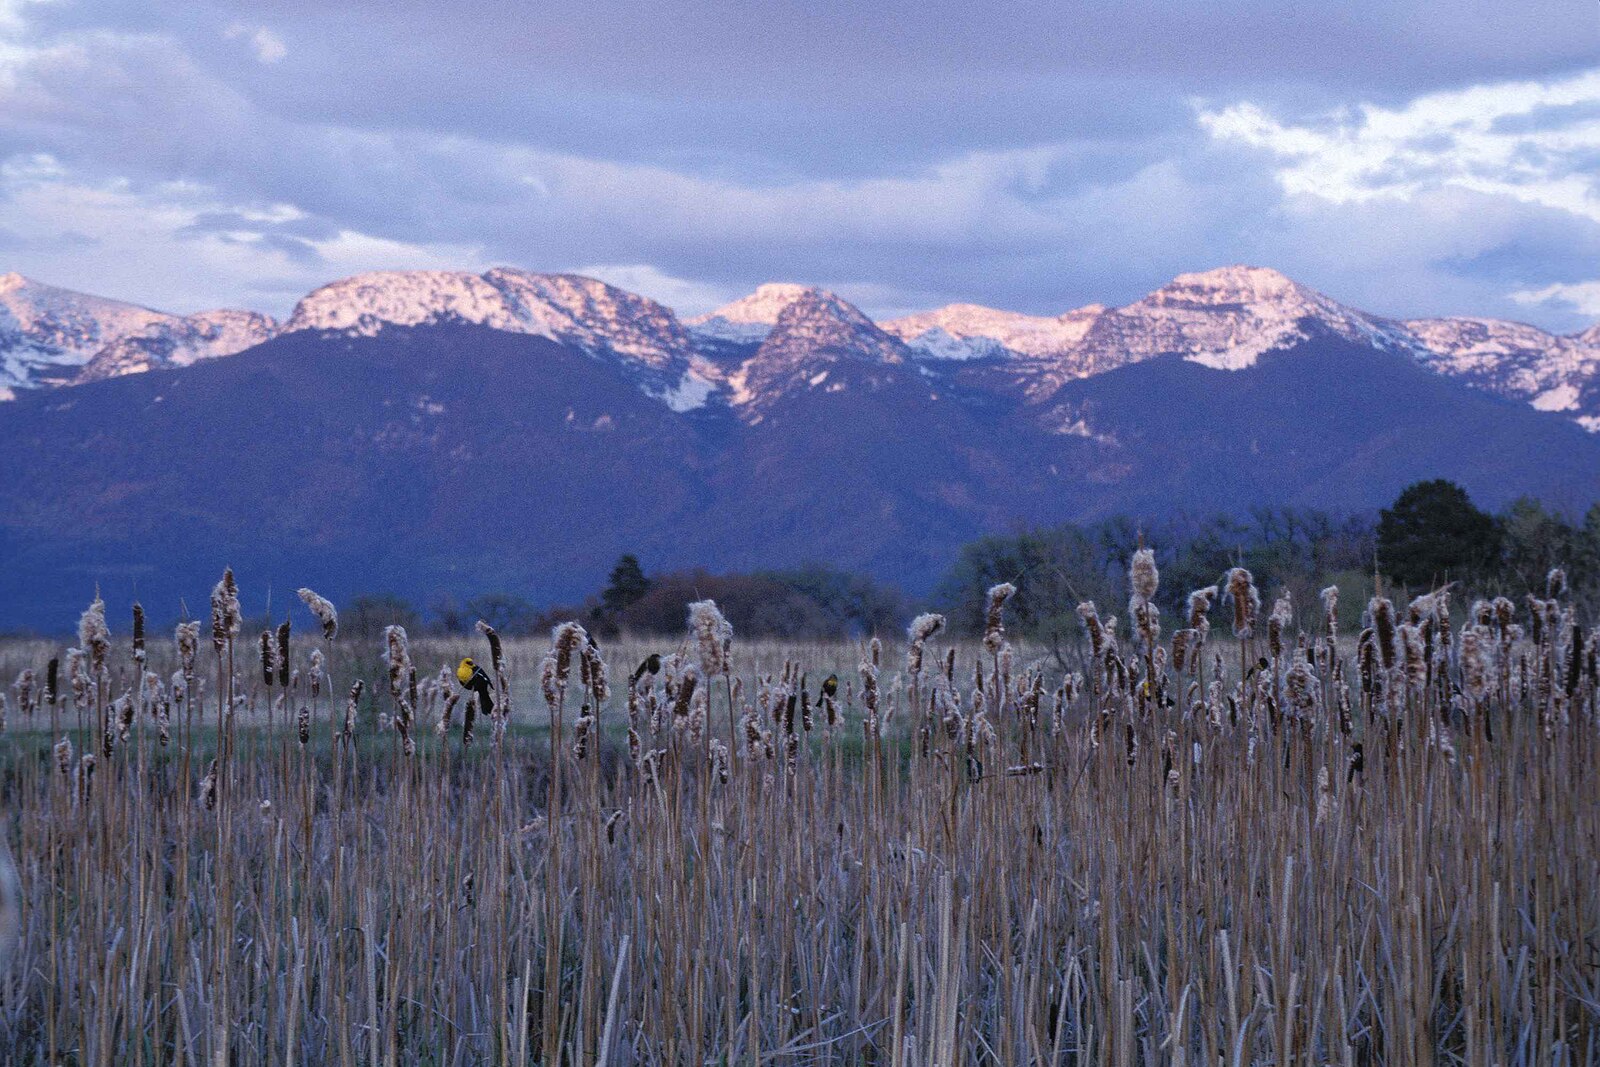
[(1432, 534)]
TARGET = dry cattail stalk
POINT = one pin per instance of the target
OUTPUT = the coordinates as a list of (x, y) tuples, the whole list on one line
[(922, 628), (324, 612), (352, 703), (994, 630), (86, 766), (580, 734), (93, 635), (303, 724), (208, 788), (138, 633), (63, 752)]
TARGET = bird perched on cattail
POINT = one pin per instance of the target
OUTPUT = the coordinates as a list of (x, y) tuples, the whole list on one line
[(830, 686), (651, 665), (472, 678)]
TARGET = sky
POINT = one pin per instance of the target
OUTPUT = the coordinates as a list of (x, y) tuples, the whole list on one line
[(1410, 158)]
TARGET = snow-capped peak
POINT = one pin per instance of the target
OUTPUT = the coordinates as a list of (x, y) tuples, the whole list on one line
[(819, 321), (573, 310), (47, 334), (749, 319), (969, 331)]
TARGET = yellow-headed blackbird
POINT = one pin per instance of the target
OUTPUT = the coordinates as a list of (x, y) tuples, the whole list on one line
[(650, 665), (472, 677), (830, 686)]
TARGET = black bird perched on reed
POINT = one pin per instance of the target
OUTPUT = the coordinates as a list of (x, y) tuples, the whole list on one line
[(472, 678), (830, 686), (650, 665)]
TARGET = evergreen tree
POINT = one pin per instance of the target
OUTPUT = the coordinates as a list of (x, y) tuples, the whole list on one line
[(1434, 533), (625, 586)]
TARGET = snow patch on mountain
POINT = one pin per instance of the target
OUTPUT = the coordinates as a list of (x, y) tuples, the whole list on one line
[(180, 343), (583, 313), (971, 331), (749, 319), (1230, 317)]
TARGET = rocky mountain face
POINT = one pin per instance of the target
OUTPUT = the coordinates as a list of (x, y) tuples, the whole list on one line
[(51, 336), (422, 432), (1225, 318)]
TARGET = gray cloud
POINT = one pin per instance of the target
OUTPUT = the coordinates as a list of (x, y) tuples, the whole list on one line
[(1034, 156)]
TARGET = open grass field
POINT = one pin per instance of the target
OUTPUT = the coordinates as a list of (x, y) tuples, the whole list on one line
[(1185, 847)]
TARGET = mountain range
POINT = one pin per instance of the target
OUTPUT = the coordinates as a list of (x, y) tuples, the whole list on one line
[(431, 431)]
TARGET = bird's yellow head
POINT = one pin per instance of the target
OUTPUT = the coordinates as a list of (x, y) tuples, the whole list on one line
[(464, 671)]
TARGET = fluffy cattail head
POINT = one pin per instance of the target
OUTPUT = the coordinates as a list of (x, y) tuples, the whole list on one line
[(712, 633), (138, 631), (325, 614), (283, 654), (565, 640), (1246, 602), (93, 635), (187, 637), (1477, 660), (1278, 624), (225, 614), (1200, 610), (1330, 609), (921, 629), (994, 630), (1143, 578), (1382, 613), (1555, 583), (1096, 629)]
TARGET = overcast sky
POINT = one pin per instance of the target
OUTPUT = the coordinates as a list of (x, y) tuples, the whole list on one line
[(1406, 157)]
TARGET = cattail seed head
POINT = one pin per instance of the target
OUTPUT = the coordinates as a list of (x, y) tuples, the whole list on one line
[(918, 633), (225, 614), (994, 621), (1477, 653), (1246, 602), (1555, 583), (1383, 629), (713, 636), (1143, 578), (322, 609), (93, 635)]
